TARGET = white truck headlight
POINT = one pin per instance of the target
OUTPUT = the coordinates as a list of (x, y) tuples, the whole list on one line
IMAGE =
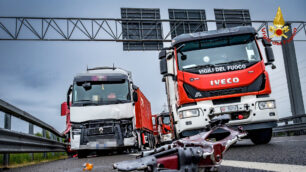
[(266, 104), (189, 113)]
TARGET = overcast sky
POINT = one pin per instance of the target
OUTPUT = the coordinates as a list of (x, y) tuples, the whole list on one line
[(34, 76)]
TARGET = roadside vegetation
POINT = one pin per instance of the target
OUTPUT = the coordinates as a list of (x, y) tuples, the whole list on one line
[(22, 159)]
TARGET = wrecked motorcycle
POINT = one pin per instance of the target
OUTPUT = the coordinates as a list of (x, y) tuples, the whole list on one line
[(201, 152)]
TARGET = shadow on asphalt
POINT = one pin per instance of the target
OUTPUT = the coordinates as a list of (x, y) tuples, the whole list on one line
[(106, 154)]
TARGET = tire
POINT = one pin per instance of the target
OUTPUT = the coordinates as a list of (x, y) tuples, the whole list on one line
[(262, 136), (82, 154)]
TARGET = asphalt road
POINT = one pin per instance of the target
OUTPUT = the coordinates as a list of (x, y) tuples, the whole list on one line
[(281, 154)]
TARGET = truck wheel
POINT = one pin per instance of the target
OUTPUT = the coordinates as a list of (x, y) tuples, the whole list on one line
[(262, 136), (82, 154)]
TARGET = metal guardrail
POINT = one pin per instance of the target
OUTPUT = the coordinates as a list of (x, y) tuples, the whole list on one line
[(292, 124), (14, 111), (18, 142)]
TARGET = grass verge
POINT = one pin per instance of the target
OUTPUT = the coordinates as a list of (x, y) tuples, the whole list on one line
[(24, 159)]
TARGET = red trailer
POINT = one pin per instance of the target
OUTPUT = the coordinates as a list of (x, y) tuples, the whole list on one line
[(144, 119)]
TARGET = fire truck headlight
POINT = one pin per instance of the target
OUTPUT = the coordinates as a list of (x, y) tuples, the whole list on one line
[(266, 104), (167, 137), (189, 113)]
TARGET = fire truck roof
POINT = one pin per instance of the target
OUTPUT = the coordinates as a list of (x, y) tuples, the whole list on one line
[(240, 30), (163, 114)]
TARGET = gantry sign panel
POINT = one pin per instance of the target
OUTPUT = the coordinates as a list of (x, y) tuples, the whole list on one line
[(232, 17), (142, 29), (187, 21)]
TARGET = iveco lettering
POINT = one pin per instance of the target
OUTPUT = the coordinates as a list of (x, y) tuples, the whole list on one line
[(224, 81)]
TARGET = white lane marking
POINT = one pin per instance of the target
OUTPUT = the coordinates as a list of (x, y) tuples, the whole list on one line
[(264, 166), (279, 141), (134, 154)]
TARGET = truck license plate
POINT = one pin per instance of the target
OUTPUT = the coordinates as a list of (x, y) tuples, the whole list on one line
[(231, 108), (107, 142), (224, 116)]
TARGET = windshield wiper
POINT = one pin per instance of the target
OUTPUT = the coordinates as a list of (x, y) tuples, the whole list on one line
[(233, 62), (120, 101), (200, 66), (86, 102)]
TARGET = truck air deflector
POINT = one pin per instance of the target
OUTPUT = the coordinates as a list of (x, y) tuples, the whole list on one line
[(240, 30), (101, 77), (257, 85)]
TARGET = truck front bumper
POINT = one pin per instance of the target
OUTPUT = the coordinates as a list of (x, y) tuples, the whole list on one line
[(245, 127), (102, 144), (257, 126), (253, 116), (102, 134)]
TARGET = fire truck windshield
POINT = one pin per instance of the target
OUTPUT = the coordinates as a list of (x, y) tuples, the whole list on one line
[(166, 120), (96, 93), (206, 56)]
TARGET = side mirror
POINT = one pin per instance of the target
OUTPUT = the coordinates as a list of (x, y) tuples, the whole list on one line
[(269, 54), (64, 109), (135, 96), (163, 66)]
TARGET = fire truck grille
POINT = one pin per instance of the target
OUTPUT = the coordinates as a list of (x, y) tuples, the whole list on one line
[(257, 85), (226, 91)]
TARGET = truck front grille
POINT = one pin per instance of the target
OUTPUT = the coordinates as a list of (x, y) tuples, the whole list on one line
[(106, 129), (100, 131)]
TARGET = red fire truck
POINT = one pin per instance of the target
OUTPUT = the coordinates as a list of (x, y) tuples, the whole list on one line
[(219, 73), (162, 127)]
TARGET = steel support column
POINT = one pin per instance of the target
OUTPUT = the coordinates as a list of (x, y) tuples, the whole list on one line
[(44, 133), (7, 125), (292, 74), (31, 131)]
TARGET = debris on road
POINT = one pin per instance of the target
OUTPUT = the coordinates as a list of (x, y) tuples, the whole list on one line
[(204, 151), (87, 167)]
